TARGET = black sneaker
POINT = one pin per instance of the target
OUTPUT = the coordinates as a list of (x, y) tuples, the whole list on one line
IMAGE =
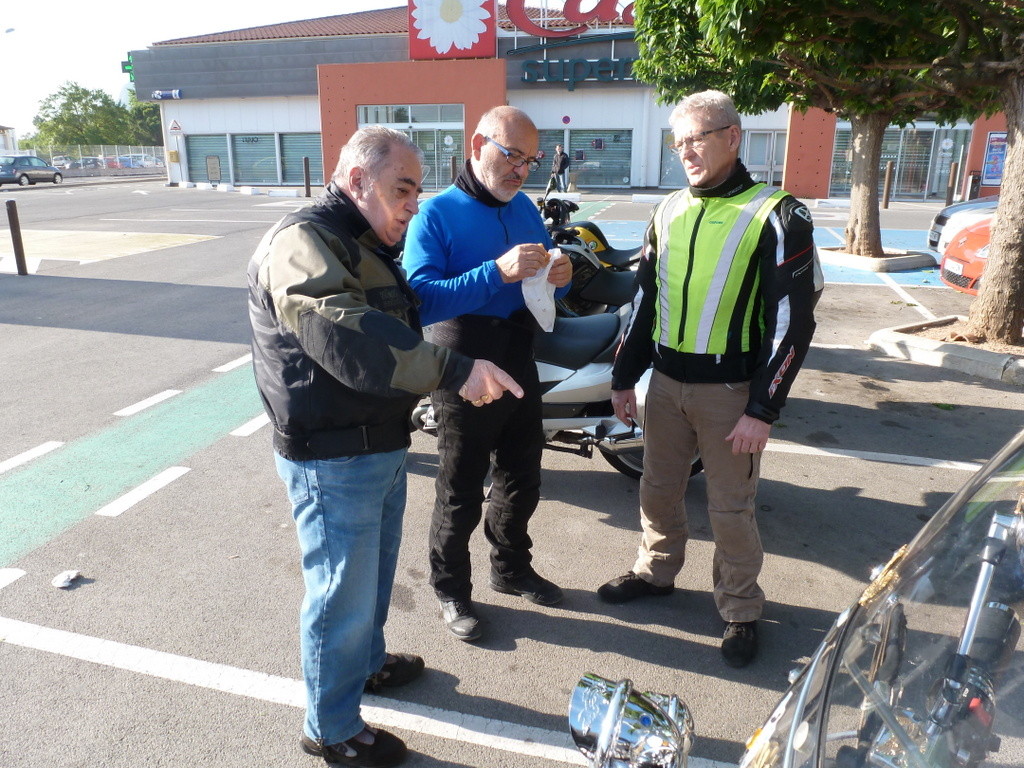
[(387, 750), (461, 619), (530, 585), (398, 669), (629, 587), (739, 645)]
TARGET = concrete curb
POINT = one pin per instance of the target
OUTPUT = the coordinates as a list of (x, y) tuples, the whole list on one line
[(900, 342), (891, 262)]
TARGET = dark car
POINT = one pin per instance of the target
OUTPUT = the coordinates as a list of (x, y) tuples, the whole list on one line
[(89, 163), (25, 170)]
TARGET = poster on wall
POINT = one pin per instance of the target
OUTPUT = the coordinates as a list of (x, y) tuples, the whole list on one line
[(443, 29), (995, 157)]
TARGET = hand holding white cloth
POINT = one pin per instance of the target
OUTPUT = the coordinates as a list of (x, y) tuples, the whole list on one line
[(539, 294)]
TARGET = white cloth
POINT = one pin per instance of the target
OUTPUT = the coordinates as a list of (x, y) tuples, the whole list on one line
[(539, 294)]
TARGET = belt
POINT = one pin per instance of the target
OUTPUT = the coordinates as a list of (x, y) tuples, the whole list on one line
[(353, 441)]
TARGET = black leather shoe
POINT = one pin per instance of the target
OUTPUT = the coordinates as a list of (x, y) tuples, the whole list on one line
[(622, 589), (386, 750), (531, 585), (739, 645), (398, 669), (461, 619)]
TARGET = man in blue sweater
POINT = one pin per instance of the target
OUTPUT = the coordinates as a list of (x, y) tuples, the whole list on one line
[(466, 255)]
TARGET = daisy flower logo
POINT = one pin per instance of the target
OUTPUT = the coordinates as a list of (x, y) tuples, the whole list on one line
[(451, 28)]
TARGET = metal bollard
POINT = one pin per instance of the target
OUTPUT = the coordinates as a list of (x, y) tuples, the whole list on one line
[(19, 248), (954, 171), (305, 173), (887, 188)]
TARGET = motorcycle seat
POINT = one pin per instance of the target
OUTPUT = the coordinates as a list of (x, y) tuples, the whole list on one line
[(576, 341)]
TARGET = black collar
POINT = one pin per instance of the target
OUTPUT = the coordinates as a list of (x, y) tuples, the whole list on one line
[(470, 184), (739, 180)]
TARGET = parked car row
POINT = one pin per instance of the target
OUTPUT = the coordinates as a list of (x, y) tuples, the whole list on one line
[(133, 160), (961, 234)]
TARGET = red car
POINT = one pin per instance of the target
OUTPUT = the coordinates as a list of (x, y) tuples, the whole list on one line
[(965, 257)]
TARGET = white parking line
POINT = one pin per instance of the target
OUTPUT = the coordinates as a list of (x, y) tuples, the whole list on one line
[(148, 488), (237, 363), (251, 426), (890, 458), (454, 726), (9, 576), (144, 404), (27, 456), (911, 301)]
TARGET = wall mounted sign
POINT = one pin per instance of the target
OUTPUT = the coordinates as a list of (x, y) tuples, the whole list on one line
[(452, 29), (995, 159), (572, 71), (604, 11)]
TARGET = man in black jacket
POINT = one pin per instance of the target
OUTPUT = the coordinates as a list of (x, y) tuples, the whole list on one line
[(724, 312), (340, 362), (560, 169)]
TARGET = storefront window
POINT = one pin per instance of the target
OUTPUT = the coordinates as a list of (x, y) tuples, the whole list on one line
[(672, 175), (921, 159), (601, 158), (208, 158), (296, 146), (255, 158)]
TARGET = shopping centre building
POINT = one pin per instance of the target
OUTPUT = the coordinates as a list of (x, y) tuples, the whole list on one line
[(245, 107)]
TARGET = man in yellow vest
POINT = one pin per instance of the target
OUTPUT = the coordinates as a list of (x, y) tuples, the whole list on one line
[(724, 311)]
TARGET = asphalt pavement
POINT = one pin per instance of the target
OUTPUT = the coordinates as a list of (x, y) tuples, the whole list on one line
[(133, 451)]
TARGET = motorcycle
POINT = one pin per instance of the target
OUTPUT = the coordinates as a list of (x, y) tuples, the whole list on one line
[(574, 363), (602, 276), (923, 671)]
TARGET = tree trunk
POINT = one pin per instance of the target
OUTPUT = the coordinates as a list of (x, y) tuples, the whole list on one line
[(863, 232), (998, 312)]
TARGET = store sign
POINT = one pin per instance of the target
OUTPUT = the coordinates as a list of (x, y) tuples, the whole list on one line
[(604, 11), (452, 29), (572, 71)]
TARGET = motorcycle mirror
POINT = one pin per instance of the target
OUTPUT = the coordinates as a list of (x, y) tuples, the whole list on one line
[(617, 727)]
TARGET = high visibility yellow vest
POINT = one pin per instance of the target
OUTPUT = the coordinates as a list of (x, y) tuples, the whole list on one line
[(707, 279)]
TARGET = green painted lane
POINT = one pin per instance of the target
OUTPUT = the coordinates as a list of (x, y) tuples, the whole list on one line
[(49, 495)]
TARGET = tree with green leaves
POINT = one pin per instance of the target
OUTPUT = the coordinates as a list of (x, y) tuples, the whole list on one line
[(876, 63), (832, 54), (983, 61), (76, 115)]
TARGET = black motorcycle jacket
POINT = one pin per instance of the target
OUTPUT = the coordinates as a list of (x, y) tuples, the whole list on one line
[(337, 348), (772, 317)]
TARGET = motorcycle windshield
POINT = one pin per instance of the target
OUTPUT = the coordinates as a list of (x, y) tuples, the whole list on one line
[(926, 670)]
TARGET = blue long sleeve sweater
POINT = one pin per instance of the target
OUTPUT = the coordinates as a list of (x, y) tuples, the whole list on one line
[(450, 251)]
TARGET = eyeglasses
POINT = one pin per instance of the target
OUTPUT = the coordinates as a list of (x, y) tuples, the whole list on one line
[(696, 141), (514, 158)]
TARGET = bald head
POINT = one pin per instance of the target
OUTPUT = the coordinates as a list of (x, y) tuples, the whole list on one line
[(503, 137)]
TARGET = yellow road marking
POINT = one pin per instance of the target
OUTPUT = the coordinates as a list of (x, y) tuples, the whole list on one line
[(70, 245)]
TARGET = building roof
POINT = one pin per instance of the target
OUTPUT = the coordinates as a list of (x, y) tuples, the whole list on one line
[(380, 22)]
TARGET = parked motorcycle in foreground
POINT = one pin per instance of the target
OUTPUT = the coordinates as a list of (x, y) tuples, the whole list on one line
[(923, 671)]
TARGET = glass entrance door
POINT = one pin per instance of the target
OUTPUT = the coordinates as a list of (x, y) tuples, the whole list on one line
[(759, 155)]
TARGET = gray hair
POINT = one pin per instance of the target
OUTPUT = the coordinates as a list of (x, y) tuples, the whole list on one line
[(369, 149), (714, 106)]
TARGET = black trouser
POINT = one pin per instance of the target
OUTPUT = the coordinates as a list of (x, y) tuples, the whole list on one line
[(504, 436)]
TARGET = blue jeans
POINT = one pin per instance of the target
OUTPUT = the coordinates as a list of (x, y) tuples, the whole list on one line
[(348, 516)]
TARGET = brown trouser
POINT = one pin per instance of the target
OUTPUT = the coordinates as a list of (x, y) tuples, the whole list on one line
[(680, 419)]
